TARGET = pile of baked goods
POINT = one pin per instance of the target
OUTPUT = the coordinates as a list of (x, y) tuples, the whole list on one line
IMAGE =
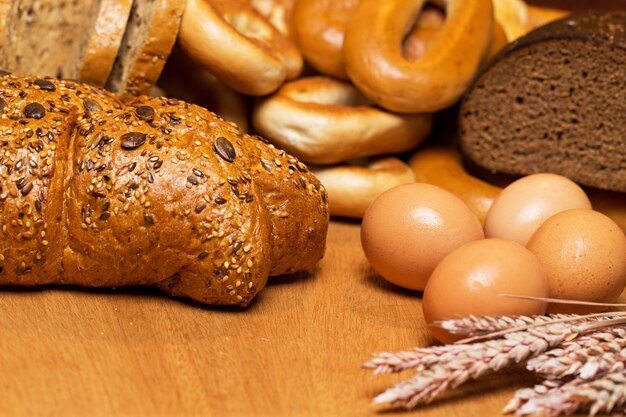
[(345, 86)]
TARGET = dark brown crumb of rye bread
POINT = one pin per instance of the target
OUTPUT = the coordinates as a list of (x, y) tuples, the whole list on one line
[(554, 106)]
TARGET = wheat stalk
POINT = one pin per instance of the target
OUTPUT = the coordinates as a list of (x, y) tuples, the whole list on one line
[(605, 394), (471, 361), (477, 326), (585, 357)]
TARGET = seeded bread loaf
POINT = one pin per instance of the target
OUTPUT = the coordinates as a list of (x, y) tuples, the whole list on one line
[(150, 35), (161, 192), (554, 101), (74, 39)]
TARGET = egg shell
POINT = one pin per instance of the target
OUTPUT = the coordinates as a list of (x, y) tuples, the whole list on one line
[(472, 279), (409, 229), (525, 204), (584, 255)]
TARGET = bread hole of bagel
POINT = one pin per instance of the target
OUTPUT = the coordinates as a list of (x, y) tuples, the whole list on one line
[(424, 31), (249, 25)]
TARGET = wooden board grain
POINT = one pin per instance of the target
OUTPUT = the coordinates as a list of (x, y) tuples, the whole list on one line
[(296, 351)]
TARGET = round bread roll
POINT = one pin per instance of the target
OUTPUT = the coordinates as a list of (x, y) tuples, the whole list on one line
[(325, 121)]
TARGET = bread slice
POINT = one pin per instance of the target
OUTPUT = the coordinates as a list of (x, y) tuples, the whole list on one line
[(77, 39), (99, 48), (554, 101), (150, 35), (41, 35)]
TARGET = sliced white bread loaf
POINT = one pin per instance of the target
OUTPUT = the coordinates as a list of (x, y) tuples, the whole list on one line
[(41, 35), (76, 39), (150, 35)]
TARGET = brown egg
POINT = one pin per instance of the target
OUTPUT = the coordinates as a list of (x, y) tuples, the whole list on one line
[(526, 203), (409, 229), (584, 255), (471, 279)]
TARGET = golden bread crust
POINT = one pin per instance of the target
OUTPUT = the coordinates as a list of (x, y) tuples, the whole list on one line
[(157, 193)]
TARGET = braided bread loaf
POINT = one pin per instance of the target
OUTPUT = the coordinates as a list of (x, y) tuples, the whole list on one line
[(165, 193)]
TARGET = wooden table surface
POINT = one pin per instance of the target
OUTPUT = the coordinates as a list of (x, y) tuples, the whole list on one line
[(296, 351)]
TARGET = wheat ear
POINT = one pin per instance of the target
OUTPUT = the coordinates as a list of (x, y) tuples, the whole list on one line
[(465, 362), (604, 394), (585, 357)]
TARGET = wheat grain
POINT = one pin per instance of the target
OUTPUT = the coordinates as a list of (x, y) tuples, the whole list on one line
[(585, 357), (604, 394), (465, 362), (476, 326)]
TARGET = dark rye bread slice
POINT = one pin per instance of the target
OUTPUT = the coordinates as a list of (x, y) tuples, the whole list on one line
[(554, 101), (76, 39), (150, 35)]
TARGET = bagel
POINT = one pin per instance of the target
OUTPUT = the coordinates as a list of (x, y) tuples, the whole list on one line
[(278, 12), (186, 81), (353, 187), (319, 27), (376, 65), (498, 40), (517, 18), (539, 16), (321, 120), (423, 34), (236, 44), (443, 166), (513, 16), (427, 29)]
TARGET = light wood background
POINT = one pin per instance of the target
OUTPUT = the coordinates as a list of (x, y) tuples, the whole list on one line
[(296, 351)]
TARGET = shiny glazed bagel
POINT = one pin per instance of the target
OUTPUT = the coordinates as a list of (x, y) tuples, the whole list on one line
[(518, 18), (428, 28), (235, 43), (353, 187), (539, 16), (278, 12), (325, 121), (442, 166), (319, 27), (376, 65)]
